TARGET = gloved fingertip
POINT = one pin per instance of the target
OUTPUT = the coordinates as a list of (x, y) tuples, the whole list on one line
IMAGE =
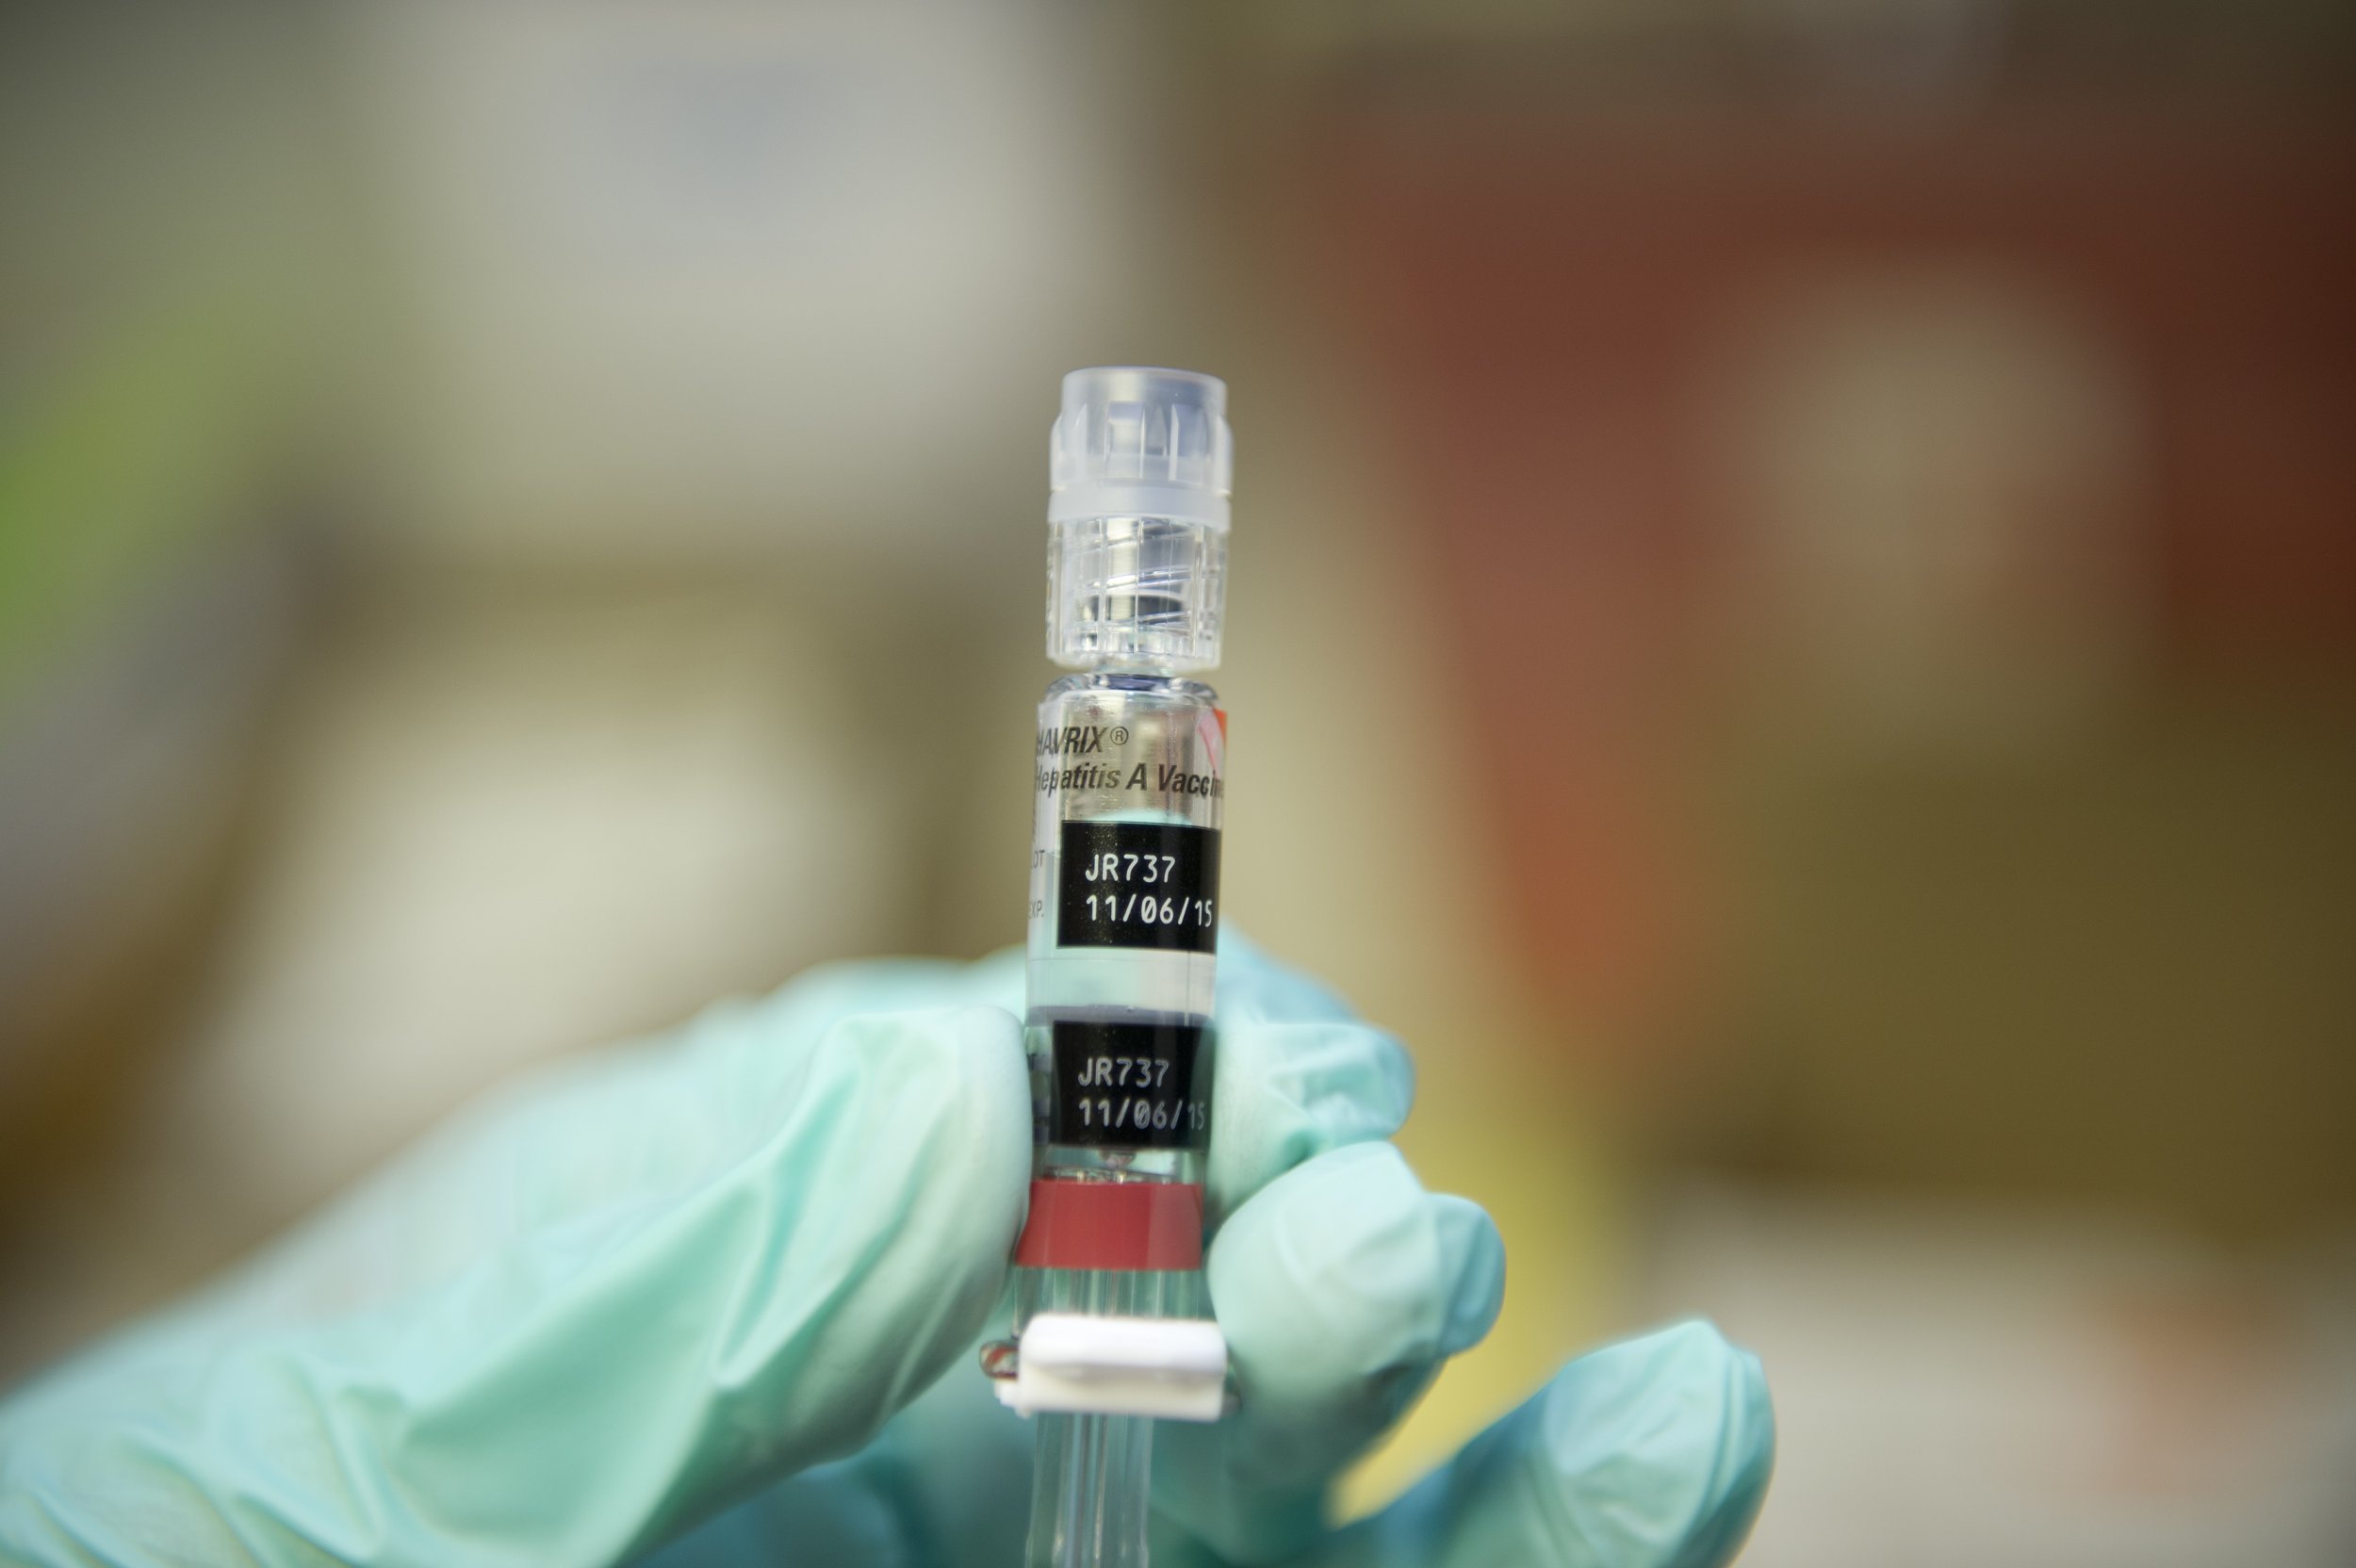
[(1287, 1092), (1388, 1091), (1661, 1446), (1473, 1256), (1346, 1270)]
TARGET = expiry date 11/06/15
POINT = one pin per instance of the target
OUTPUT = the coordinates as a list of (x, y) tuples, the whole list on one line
[(1146, 909), (1139, 1113)]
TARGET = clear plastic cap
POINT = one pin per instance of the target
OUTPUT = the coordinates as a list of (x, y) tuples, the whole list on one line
[(1137, 442), (1140, 464)]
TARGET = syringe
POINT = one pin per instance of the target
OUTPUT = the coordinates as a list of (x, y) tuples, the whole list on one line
[(1112, 1320)]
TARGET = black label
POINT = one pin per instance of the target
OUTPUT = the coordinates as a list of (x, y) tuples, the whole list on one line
[(1131, 1085), (1134, 884)]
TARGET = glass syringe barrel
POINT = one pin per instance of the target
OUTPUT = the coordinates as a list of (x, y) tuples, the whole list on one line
[(1129, 794)]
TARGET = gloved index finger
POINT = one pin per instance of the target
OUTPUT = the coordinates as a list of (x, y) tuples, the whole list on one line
[(1296, 1076), (1286, 1093), (1341, 1286)]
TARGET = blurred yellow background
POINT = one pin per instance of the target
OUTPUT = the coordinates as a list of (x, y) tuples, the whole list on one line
[(1792, 630)]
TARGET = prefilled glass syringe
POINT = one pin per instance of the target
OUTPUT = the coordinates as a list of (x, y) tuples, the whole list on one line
[(1113, 1324)]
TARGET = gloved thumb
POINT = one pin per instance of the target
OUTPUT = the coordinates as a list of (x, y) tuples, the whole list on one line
[(687, 1269)]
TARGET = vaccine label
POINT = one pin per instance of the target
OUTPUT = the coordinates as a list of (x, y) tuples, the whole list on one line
[(1132, 884), (1130, 1085)]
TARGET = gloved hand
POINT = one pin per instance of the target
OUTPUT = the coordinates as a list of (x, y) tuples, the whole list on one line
[(694, 1297)]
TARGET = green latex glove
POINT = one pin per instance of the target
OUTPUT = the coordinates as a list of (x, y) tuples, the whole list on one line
[(695, 1297)]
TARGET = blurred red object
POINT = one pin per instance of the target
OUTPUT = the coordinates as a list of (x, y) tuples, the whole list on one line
[(1551, 296)]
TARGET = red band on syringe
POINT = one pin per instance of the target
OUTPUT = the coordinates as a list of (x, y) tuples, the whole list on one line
[(1118, 1225)]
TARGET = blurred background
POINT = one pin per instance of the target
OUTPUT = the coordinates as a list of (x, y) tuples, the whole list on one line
[(1794, 631)]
